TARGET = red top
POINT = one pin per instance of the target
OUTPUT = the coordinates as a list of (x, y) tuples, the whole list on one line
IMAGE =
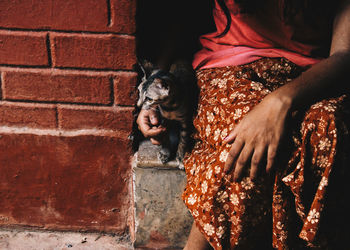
[(253, 37)]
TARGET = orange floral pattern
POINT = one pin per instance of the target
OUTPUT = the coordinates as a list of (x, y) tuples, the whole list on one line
[(284, 210)]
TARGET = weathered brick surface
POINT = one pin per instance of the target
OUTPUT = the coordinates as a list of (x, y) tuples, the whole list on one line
[(28, 115), (82, 117), (93, 51), (123, 15), (124, 88), (23, 48), (77, 182), (56, 86), (67, 91), (69, 15)]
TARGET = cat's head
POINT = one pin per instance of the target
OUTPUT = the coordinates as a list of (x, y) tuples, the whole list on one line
[(154, 88)]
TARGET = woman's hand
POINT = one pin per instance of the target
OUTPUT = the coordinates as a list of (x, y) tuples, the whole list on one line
[(149, 125), (257, 137)]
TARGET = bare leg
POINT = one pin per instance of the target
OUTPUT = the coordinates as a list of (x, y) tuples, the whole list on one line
[(196, 240)]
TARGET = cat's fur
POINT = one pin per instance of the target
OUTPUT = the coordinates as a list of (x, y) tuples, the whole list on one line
[(174, 94)]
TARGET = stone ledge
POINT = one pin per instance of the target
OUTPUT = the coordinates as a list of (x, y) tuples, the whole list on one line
[(146, 157), (30, 240), (161, 218)]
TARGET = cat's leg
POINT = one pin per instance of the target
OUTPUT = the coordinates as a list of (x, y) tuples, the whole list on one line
[(164, 154), (182, 147)]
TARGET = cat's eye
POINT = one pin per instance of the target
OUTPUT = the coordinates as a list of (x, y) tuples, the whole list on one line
[(148, 99)]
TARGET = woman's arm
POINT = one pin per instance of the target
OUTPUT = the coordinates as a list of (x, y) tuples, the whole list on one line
[(258, 135)]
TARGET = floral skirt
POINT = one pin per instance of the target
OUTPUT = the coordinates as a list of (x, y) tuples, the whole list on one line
[(303, 203)]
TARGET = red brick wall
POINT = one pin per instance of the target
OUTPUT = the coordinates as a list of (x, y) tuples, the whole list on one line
[(65, 113)]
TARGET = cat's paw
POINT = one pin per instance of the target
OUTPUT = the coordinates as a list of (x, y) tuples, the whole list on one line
[(179, 160), (180, 165), (163, 155)]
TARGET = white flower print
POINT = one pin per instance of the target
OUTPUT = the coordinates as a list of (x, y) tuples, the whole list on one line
[(216, 134), (246, 109), (204, 187), (313, 216), (195, 213), (223, 156), (207, 130), (217, 169), (221, 218), (210, 116), (209, 174), (207, 206), (224, 133), (237, 114), (224, 101), (330, 107), (222, 196), (235, 220), (242, 195), (247, 183), (220, 232), (317, 105), (322, 161), (324, 144), (234, 95), (303, 235), (323, 183), (216, 110), (279, 225), (222, 83), (192, 199), (256, 86), (193, 169), (288, 178), (234, 199), (311, 126), (209, 229)]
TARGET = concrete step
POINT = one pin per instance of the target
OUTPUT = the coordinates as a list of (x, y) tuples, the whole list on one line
[(39, 240), (161, 219)]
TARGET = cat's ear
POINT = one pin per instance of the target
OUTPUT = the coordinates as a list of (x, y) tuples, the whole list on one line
[(146, 68)]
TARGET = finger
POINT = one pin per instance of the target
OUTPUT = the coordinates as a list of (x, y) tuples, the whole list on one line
[(271, 156), (143, 120), (233, 154), (153, 132), (155, 142), (154, 117), (242, 160), (231, 137), (256, 161)]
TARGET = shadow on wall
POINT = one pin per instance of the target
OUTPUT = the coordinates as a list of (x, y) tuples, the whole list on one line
[(160, 24)]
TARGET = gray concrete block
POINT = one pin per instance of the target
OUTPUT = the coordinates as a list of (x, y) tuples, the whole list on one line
[(40, 240), (162, 220)]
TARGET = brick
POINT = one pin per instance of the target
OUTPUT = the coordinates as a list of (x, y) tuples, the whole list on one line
[(23, 48), (82, 117), (50, 85), (80, 182), (125, 88), (69, 15), (111, 52), (28, 115), (123, 16)]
